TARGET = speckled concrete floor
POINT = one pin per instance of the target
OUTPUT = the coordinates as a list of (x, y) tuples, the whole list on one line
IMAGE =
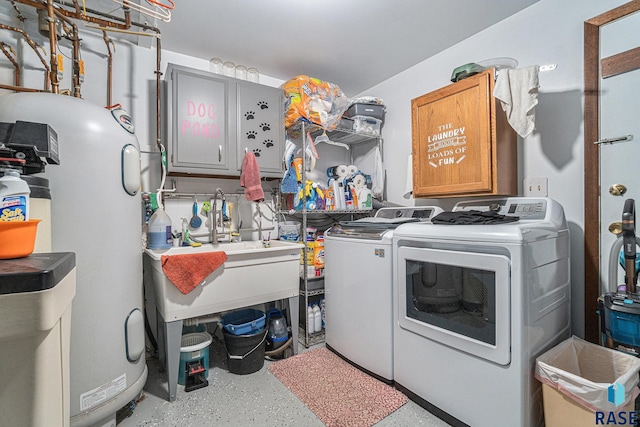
[(257, 399)]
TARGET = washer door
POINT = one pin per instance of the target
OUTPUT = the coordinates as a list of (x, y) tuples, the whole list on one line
[(456, 298)]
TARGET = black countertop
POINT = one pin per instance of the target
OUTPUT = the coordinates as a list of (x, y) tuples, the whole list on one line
[(37, 272)]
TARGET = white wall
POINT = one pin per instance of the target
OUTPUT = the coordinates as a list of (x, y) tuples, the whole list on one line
[(548, 32)]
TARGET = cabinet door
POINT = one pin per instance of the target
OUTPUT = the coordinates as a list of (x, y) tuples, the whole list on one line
[(201, 126), (261, 126), (452, 139)]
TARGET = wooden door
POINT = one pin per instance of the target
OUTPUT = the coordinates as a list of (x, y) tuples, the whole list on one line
[(607, 164)]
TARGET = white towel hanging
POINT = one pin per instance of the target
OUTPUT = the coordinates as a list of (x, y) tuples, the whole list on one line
[(377, 178)]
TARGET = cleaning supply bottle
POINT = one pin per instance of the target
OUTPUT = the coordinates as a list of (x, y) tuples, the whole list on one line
[(311, 326), (365, 199), (318, 252), (317, 317), (348, 199), (159, 236), (14, 197)]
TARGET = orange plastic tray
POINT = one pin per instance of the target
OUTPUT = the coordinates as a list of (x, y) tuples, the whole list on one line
[(17, 238)]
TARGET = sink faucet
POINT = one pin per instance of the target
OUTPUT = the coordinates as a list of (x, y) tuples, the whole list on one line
[(214, 219)]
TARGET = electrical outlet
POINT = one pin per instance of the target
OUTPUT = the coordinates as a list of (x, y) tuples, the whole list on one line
[(536, 186)]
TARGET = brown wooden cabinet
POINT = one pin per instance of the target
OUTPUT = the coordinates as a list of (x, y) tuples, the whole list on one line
[(462, 142)]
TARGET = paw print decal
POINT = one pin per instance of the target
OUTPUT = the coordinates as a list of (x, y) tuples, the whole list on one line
[(263, 105), (256, 152), (265, 126), (251, 134), (268, 143), (250, 115)]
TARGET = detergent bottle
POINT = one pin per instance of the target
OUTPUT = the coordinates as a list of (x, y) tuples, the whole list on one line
[(317, 318), (318, 252), (310, 319), (159, 236), (14, 197)]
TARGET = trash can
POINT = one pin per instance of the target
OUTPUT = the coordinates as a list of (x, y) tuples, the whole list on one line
[(584, 384), (194, 360)]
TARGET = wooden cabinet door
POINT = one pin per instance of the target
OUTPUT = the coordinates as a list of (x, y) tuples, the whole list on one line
[(454, 142)]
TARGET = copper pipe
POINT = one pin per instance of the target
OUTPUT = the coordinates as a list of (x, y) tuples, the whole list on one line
[(158, 106), (75, 53), (20, 16), (53, 40), (20, 88), (105, 23), (3, 47), (107, 40), (79, 15), (127, 14), (34, 46)]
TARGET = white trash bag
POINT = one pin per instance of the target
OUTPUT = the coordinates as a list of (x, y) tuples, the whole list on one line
[(585, 372)]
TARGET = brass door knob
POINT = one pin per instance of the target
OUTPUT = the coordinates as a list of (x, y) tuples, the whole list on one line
[(617, 190), (615, 227)]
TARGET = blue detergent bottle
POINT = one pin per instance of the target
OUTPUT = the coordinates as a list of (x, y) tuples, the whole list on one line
[(159, 235)]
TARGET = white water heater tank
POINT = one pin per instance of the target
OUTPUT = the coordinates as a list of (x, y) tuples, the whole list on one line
[(96, 214)]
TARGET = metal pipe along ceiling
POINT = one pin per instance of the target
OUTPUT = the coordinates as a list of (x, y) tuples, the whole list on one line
[(107, 22)]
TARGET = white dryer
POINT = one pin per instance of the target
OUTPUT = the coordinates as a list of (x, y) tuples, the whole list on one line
[(358, 287), (476, 304)]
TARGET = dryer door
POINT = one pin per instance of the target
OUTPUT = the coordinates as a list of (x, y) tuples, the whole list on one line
[(456, 298)]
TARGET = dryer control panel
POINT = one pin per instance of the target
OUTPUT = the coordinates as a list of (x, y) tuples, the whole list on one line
[(526, 208)]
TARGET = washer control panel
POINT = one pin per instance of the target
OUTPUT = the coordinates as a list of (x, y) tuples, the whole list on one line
[(422, 213)]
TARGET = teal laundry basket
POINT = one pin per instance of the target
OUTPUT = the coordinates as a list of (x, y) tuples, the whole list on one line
[(194, 347)]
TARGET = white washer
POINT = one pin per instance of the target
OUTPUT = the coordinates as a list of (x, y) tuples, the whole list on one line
[(475, 305), (358, 287)]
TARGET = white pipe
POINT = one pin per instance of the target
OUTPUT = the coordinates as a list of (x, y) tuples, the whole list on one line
[(196, 321)]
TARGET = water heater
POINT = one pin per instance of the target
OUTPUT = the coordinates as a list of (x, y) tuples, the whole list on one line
[(95, 212)]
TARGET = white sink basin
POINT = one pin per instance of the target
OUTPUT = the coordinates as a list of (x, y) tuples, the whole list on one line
[(251, 275)]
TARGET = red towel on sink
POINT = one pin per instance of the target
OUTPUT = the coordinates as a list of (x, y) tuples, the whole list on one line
[(188, 271)]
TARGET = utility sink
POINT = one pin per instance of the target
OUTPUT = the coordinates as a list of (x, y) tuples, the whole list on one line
[(252, 274)]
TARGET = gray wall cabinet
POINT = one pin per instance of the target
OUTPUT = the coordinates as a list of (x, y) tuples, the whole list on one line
[(212, 121)]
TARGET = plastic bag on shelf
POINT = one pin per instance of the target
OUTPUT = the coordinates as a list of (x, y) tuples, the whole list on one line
[(315, 100)]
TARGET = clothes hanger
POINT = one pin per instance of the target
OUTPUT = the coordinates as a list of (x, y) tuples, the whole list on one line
[(324, 138), (169, 5), (161, 13)]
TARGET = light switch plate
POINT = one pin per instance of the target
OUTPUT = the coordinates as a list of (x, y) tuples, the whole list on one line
[(536, 186)]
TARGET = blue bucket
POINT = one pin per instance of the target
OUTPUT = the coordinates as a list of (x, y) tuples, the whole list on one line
[(243, 322)]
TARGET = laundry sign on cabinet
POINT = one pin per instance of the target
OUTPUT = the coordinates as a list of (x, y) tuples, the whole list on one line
[(462, 144)]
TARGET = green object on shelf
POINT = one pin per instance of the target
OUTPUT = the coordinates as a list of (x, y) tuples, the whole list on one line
[(466, 70)]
